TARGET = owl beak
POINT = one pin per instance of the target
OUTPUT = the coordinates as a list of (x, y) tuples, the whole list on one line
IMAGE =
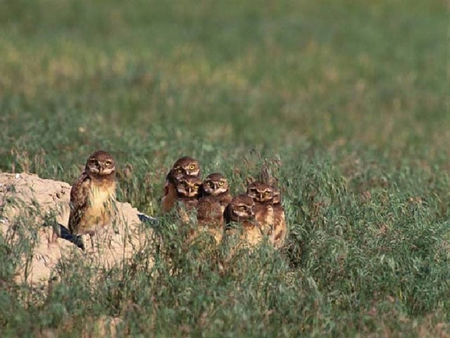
[(215, 186)]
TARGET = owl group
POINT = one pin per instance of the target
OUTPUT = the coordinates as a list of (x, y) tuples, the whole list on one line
[(257, 214), (207, 203)]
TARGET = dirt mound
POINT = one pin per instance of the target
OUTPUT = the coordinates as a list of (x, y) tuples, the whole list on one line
[(33, 207)]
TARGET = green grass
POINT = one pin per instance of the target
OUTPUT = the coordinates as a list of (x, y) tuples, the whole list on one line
[(350, 96)]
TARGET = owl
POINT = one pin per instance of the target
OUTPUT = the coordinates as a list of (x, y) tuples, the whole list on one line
[(185, 166), (262, 194), (211, 206), (240, 211), (279, 230), (187, 193), (93, 195)]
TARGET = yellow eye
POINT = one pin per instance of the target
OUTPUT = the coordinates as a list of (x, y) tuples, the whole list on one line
[(221, 183), (267, 193), (192, 167)]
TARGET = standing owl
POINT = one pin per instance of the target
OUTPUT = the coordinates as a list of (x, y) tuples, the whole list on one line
[(187, 194), (93, 195), (269, 212), (212, 204), (262, 194), (240, 211), (185, 166)]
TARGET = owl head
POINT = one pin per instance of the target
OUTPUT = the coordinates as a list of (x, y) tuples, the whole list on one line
[(188, 186), (214, 185), (100, 164), (260, 192), (240, 209), (185, 166), (276, 196)]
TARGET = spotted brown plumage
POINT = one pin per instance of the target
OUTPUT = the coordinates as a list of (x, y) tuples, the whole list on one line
[(188, 189), (279, 230), (269, 212), (92, 196), (212, 204), (184, 166), (240, 212)]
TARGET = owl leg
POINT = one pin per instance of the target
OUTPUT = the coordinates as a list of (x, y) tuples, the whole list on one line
[(54, 237), (91, 237)]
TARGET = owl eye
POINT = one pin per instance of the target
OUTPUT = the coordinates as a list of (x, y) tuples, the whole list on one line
[(108, 162), (221, 183), (266, 193), (192, 167)]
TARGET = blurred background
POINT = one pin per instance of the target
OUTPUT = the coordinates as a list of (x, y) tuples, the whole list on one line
[(158, 79)]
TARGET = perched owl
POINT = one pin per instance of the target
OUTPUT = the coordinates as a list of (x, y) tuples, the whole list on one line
[(240, 211), (92, 197), (185, 166), (212, 204), (187, 190), (263, 194), (279, 231)]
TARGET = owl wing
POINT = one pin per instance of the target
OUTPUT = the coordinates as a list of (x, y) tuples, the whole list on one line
[(264, 216), (170, 196), (209, 211), (225, 200), (78, 201), (203, 209), (280, 227)]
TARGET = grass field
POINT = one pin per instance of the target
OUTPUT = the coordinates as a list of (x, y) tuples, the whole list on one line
[(351, 98)]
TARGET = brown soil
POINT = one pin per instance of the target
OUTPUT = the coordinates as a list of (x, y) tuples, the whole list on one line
[(31, 206)]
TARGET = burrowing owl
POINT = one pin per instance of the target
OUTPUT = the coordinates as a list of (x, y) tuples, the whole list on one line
[(92, 197), (185, 166), (262, 194), (211, 206), (187, 189), (240, 210), (279, 231)]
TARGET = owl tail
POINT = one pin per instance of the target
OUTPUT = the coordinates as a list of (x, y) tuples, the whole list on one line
[(68, 236), (147, 219)]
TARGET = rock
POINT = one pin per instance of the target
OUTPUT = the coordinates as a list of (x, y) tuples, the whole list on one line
[(31, 206)]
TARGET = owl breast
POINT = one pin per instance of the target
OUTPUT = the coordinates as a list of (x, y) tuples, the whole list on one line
[(100, 211)]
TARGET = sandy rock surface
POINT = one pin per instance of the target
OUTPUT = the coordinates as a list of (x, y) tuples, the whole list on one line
[(29, 205)]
